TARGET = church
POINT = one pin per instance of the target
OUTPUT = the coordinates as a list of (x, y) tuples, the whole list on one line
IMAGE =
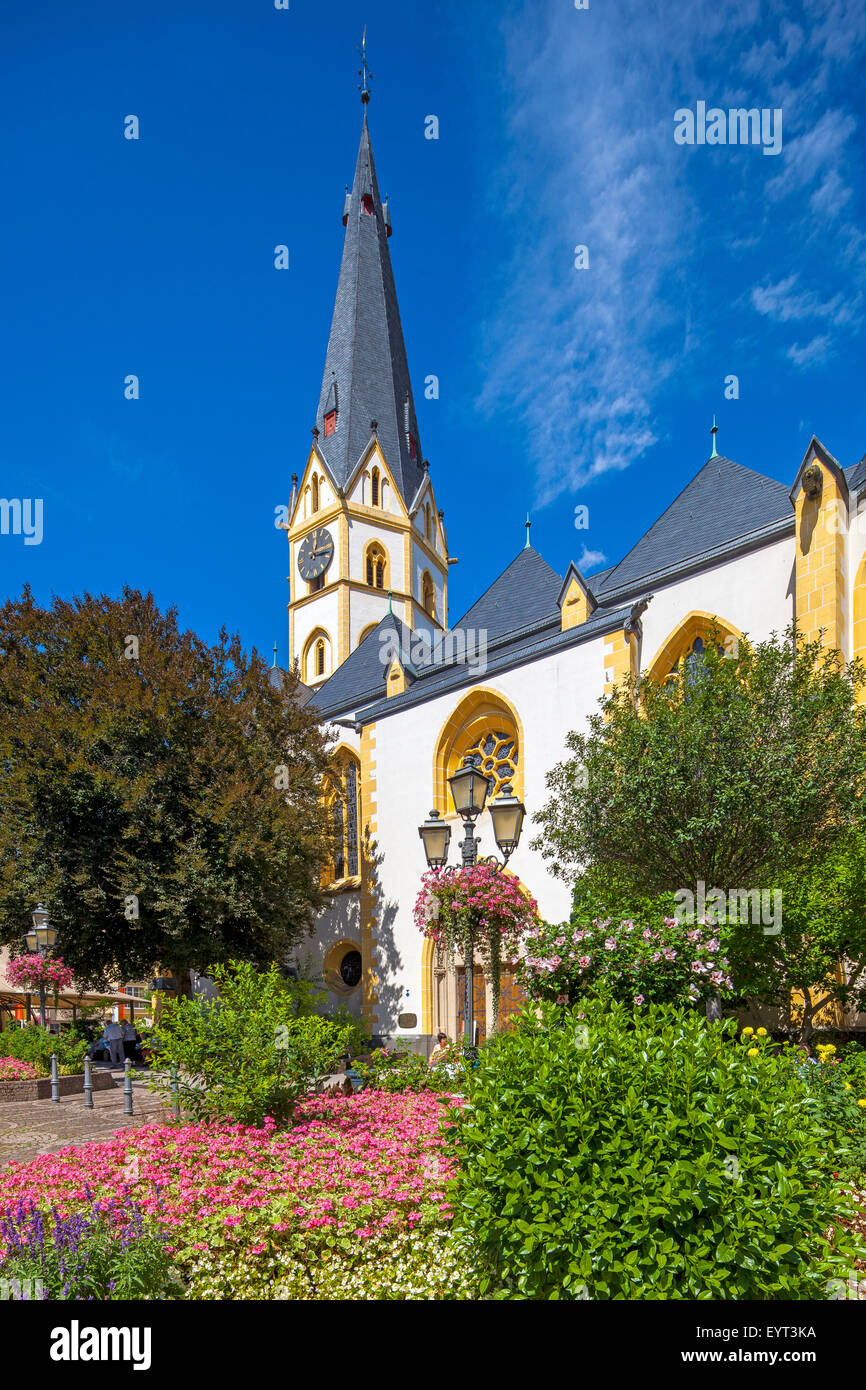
[(408, 695)]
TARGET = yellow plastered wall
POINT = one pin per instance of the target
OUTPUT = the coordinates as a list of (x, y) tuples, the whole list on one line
[(576, 606), (620, 659), (369, 976), (427, 985), (397, 680), (820, 572)]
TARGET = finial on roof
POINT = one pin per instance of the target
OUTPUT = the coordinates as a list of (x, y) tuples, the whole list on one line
[(527, 523), (364, 72), (390, 609), (714, 432), (275, 654)]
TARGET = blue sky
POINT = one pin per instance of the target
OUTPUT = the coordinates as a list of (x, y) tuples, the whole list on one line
[(558, 386)]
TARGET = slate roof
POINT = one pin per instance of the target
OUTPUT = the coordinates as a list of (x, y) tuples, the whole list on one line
[(855, 476), (366, 372), (723, 503), (524, 593), (361, 677)]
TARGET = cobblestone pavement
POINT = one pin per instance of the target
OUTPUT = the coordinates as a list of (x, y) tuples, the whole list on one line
[(32, 1127)]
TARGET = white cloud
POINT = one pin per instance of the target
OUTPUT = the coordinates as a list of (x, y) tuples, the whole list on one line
[(814, 354), (590, 559), (582, 358)]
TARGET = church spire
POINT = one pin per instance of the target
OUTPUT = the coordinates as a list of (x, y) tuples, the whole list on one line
[(366, 373)]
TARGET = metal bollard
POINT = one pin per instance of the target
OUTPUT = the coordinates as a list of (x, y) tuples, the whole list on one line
[(55, 1080), (88, 1085), (127, 1087), (176, 1092)]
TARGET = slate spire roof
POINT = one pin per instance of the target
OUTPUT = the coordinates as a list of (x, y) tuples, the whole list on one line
[(366, 374)]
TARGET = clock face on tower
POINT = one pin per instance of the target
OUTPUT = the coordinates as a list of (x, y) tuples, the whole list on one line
[(316, 553)]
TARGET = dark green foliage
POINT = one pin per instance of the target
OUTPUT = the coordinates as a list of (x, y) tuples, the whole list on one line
[(837, 1088), (650, 1157), (162, 802), (35, 1045)]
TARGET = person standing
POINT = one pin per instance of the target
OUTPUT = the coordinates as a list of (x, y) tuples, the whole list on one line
[(114, 1038), (129, 1035)]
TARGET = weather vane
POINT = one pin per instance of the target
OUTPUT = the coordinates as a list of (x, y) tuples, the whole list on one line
[(364, 72)]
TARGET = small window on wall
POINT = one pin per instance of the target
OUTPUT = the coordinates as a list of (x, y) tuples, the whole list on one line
[(367, 204), (315, 492), (350, 969), (330, 422), (374, 488), (376, 567), (320, 658)]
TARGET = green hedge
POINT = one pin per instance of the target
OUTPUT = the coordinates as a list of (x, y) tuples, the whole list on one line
[(647, 1156), (35, 1045)]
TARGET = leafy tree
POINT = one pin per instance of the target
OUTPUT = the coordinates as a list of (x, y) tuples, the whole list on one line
[(743, 771), (818, 958), (740, 766), (156, 793)]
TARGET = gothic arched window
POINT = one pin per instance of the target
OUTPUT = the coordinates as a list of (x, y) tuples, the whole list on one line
[(376, 566), (374, 488), (428, 594), (315, 492), (342, 798)]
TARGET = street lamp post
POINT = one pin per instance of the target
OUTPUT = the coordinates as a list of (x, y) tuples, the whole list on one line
[(469, 788), (40, 940)]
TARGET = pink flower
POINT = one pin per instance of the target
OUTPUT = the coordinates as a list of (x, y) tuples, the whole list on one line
[(638, 999), (610, 944)]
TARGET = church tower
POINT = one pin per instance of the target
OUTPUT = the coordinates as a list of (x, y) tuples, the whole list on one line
[(364, 530)]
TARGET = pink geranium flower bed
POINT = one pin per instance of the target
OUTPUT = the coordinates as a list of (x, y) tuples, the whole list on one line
[(360, 1165), (13, 1069)]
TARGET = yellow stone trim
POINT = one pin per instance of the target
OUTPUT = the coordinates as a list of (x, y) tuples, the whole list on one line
[(821, 523), (396, 681), (481, 708), (575, 607), (311, 677), (427, 985), (678, 642)]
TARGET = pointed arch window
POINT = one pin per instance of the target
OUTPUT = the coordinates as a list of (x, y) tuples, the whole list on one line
[(376, 566), (316, 664), (428, 522), (342, 794), (374, 488), (428, 594), (314, 492)]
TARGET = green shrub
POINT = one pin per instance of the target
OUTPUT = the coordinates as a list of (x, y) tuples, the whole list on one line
[(397, 1069), (839, 1089), (35, 1044), (645, 1156), (245, 1056)]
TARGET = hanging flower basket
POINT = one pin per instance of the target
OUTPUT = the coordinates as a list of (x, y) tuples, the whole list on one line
[(35, 972), (479, 907)]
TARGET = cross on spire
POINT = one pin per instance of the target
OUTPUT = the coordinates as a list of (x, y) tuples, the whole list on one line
[(364, 72), (714, 431)]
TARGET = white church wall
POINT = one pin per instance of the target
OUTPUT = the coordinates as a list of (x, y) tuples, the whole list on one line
[(360, 535), (551, 696), (320, 614), (340, 921), (754, 592)]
